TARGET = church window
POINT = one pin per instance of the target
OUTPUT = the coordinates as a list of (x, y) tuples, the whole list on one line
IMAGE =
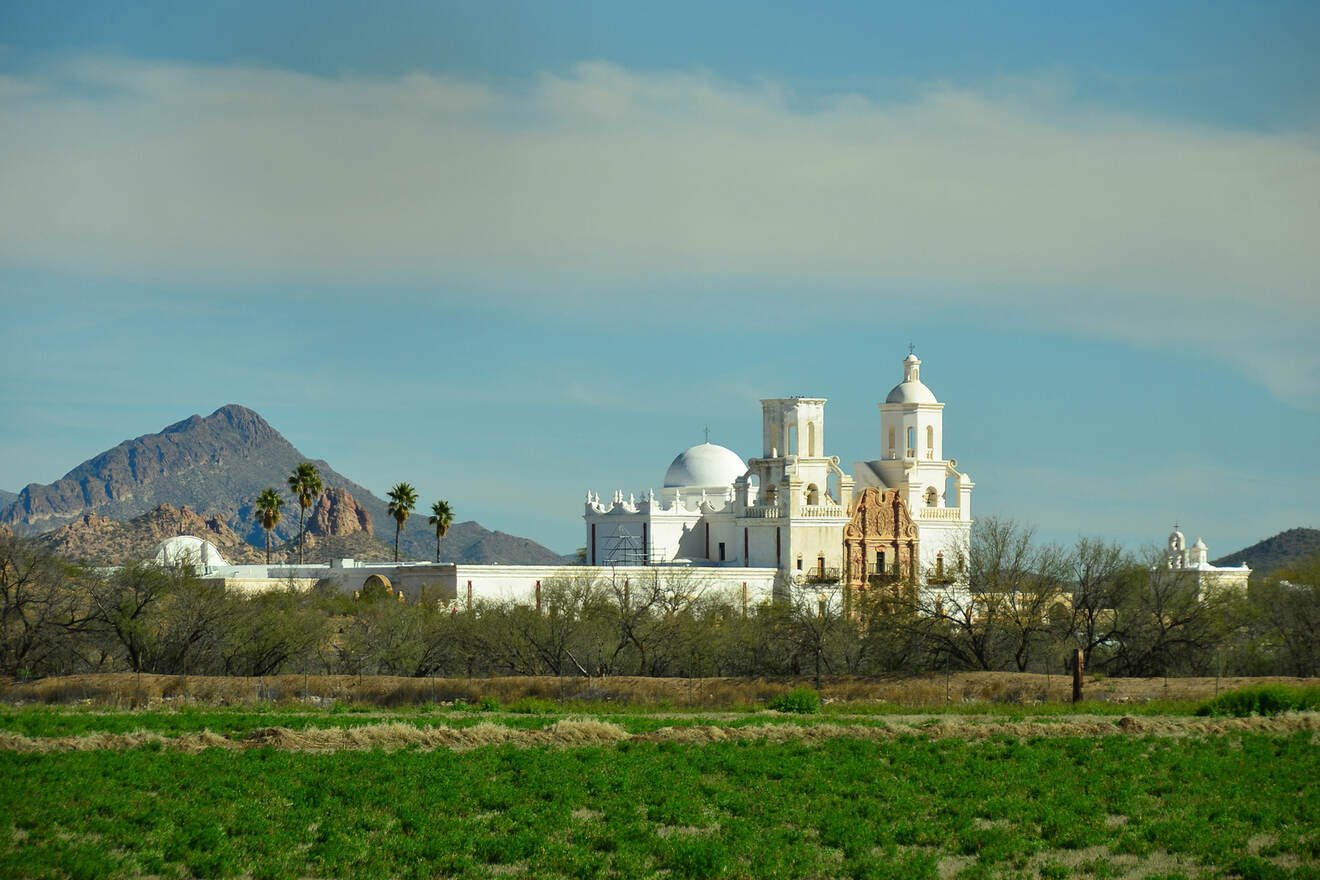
[(939, 565), (930, 441), (820, 567), (813, 494), (911, 442), (721, 551), (879, 562), (932, 497), (891, 442), (799, 563), (769, 496)]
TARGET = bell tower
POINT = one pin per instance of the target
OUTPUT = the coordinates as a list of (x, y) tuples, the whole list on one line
[(913, 464)]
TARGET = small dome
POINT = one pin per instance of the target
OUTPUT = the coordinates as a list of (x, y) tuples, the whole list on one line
[(188, 548), (1199, 545), (911, 389), (911, 392), (705, 465)]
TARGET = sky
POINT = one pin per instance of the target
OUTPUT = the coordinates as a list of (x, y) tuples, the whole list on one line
[(515, 252)]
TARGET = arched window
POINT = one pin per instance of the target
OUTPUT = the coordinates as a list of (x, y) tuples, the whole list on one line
[(932, 497), (912, 442), (811, 439), (930, 441), (939, 565), (891, 442), (813, 494), (770, 495), (879, 562)]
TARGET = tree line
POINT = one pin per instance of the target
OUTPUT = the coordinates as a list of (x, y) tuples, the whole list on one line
[(306, 488), (1026, 606)]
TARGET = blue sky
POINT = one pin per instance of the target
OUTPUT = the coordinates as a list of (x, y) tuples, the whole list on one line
[(512, 252)]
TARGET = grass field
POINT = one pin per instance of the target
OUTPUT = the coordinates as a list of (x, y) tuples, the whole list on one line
[(213, 792)]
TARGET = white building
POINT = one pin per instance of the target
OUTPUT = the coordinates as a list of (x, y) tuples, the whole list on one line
[(794, 510), (1195, 562)]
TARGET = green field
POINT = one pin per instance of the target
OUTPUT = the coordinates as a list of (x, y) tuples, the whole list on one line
[(745, 798)]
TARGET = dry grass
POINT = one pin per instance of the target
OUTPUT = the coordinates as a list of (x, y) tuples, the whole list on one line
[(587, 732), (127, 690)]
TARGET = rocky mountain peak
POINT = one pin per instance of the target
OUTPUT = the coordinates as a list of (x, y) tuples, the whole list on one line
[(99, 538), (338, 513)]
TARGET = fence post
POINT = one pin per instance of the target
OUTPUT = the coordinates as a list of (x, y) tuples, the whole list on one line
[(1077, 675)]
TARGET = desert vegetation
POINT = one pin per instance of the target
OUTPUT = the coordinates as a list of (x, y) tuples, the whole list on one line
[(1026, 609)]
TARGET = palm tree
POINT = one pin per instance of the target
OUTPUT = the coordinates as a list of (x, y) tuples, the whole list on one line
[(403, 498), (305, 484), (267, 511), (441, 517)]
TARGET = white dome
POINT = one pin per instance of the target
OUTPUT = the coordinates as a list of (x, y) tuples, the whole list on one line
[(911, 392), (194, 550), (705, 465)]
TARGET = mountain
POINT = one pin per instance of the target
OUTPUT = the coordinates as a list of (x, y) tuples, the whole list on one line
[(7, 498), (218, 465), (98, 539), (1283, 550)]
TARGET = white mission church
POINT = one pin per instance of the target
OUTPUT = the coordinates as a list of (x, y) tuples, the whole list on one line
[(905, 516)]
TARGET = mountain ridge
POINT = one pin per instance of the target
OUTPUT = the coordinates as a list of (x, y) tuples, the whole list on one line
[(217, 465), (1267, 556)]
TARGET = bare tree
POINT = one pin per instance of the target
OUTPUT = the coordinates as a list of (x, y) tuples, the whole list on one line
[(124, 605), (40, 610), (1165, 623), (1004, 615), (1097, 583)]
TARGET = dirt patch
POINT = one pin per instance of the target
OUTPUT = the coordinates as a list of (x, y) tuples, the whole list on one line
[(587, 732)]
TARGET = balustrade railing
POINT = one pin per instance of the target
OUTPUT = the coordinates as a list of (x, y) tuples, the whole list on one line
[(822, 510), (950, 513)]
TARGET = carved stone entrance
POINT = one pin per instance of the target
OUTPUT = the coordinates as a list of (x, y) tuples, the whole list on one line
[(880, 545)]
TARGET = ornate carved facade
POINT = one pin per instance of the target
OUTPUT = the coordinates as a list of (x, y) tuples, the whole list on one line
[(880, 542)]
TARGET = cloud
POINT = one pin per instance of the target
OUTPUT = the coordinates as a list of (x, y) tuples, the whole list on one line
[(1015, 197)]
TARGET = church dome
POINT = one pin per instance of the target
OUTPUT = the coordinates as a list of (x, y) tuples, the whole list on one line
[(705, 465), (911, 392)]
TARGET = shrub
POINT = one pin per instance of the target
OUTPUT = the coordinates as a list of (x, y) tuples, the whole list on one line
[(1262, 699), (532, 706), (803, 701)]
